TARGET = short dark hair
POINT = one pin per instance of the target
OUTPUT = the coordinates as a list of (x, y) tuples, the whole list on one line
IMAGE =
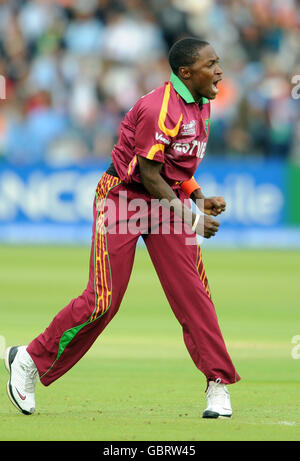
[(184, 52)]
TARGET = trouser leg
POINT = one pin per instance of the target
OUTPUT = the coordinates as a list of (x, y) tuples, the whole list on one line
[(74, 329), (181, 272)]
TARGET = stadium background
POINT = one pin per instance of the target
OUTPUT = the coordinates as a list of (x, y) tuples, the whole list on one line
[(74, 68)]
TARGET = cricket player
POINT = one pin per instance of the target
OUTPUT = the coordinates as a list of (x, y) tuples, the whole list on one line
[(161, 144)]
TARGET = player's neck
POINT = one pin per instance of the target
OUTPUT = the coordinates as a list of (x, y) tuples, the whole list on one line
[(197, 97)]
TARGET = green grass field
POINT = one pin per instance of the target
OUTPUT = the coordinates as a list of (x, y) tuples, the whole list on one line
[(137, 382)]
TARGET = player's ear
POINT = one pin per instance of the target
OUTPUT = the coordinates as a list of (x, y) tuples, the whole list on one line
[(184, 72)]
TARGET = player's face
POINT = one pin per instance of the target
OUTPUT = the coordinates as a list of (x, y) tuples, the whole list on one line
[(204, 74)]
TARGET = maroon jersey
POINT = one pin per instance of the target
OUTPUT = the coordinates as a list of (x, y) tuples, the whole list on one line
[(167, 126)]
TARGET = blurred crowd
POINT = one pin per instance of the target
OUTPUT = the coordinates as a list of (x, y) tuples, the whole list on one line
[(73, 68)]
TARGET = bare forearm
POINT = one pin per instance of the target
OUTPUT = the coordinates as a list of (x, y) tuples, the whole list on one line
[(197, 195), (160, 189)]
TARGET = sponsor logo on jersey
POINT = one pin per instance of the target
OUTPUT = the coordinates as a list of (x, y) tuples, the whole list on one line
[(189, 129), (193, 148), (159, 137)]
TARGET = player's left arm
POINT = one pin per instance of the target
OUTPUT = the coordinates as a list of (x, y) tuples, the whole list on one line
[(208, 205)]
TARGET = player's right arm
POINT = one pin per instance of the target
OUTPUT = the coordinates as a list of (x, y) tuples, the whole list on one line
[(160, 189)]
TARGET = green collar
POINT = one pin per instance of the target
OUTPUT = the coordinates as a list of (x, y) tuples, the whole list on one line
[(183, 90)]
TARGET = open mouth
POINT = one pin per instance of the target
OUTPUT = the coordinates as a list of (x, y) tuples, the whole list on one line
[(215, 86)]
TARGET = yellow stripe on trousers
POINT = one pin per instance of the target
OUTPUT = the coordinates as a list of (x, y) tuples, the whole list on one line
[(202, 274), (102, 300)]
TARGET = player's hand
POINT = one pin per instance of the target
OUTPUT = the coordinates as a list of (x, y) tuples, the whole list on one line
[(214, 205), (207, 226)]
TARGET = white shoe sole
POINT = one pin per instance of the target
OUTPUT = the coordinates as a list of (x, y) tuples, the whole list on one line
[(8, 385)]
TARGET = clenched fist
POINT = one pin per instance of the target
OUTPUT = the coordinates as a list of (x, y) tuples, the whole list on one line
[(207, 226)]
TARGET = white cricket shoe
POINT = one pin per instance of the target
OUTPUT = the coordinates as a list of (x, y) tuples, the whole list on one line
[(218, 400), (23, 377)]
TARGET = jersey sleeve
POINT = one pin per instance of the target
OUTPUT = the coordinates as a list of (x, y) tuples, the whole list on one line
[(150, 141)]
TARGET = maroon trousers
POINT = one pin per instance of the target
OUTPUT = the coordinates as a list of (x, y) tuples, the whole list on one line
[(179, 267)]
